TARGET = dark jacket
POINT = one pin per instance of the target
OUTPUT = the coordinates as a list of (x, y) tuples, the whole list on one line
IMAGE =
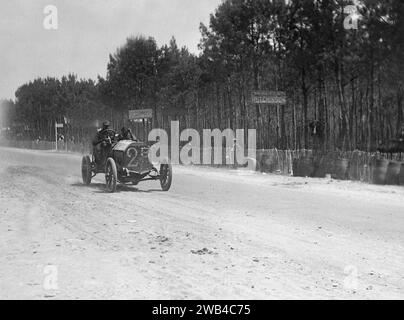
[(101, 136)]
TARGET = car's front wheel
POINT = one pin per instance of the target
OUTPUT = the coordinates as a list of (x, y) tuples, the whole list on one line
[(166, 176), (111, 175)]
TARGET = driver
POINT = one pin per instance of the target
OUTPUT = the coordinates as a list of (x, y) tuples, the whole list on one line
[(99, 146)]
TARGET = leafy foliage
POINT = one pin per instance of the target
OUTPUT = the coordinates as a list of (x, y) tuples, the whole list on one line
[(348, 82)]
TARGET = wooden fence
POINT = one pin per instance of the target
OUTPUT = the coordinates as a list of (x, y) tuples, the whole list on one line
[(356, 165)]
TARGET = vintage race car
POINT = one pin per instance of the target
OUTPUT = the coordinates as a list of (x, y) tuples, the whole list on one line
[(127, 161)]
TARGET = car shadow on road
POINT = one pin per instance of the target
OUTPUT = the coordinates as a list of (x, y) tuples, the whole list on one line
[(100, 188)]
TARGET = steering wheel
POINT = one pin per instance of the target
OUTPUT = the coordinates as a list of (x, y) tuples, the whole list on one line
[(111, 132), (110, 137)]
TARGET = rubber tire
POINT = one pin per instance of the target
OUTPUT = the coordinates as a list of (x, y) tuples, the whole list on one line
[(86, 172), (166, 184), (111, 169)]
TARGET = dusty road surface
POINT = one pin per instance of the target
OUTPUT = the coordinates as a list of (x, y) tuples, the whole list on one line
[(217, 234)]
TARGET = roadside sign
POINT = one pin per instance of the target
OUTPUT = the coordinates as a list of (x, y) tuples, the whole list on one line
[(140, 114), (269, 97), (59, 125)]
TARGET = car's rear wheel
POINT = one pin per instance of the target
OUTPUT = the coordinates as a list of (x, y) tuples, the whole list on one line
[(86, 172), (166, 176), (111, 175)]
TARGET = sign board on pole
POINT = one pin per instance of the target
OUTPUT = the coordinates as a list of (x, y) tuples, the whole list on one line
[(269, 97), (57, 126), (140, 114)]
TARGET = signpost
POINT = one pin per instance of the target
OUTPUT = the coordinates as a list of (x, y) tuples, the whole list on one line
[(140, 114), (269, 97)]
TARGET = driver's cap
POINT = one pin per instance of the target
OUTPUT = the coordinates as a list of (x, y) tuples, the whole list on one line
[(106, 124)]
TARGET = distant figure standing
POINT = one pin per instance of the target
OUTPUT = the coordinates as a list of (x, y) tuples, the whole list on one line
[(401, 134), (126, 134)]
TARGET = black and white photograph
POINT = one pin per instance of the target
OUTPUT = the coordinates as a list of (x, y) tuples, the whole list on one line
[(201, 150)]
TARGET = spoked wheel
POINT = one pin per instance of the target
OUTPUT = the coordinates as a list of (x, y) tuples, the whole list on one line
[(166, 176), (111, 175), (86, 172)]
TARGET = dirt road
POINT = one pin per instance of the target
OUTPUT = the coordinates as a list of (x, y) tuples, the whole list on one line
[(217, 234)]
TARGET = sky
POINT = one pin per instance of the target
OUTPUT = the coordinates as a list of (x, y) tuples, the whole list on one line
[(88, 31)]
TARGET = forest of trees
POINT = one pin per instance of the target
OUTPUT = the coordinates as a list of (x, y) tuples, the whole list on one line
[(345, 86)]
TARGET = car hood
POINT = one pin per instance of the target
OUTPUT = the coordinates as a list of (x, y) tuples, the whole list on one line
[(125, 144)]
